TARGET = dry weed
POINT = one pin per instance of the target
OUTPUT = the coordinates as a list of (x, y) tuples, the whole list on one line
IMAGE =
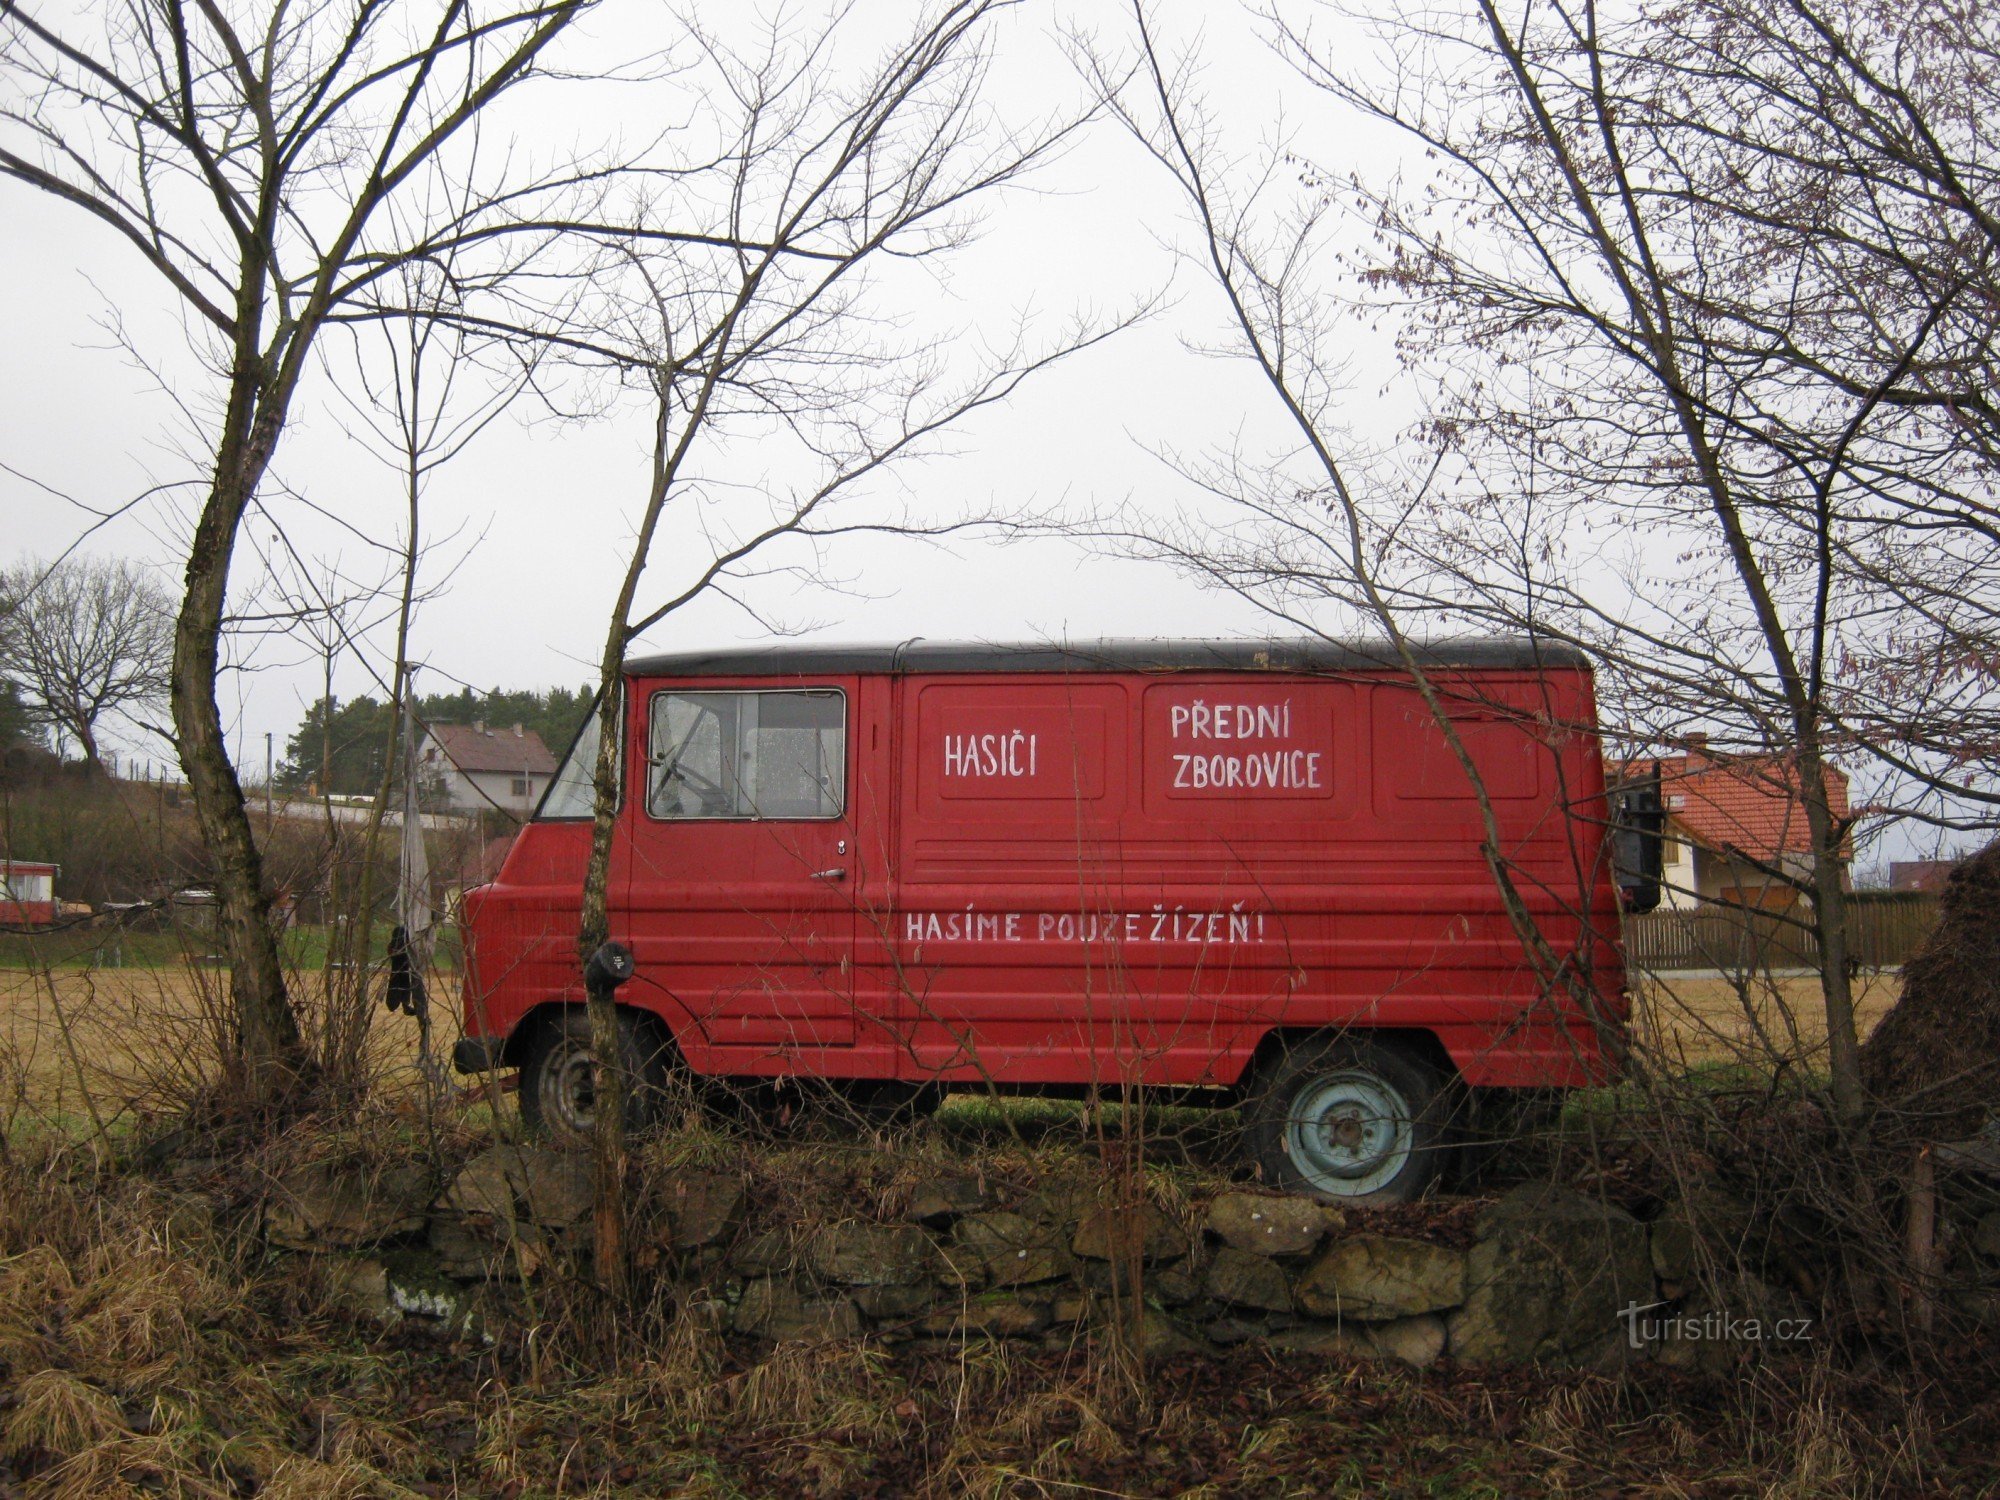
[(817, 1388), (128, 1468), (1822, 1460), (58, 1411), (298, 1478)]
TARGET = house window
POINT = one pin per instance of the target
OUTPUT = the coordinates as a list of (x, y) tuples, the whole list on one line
[(748, 755), (523, 787)]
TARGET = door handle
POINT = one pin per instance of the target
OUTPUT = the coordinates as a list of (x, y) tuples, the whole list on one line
[(834, 874)]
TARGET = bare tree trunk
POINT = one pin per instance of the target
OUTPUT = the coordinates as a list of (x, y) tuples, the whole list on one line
[(270, 1051), (608, 1153), (1829, 897), (86, 737), (1920, 1234)]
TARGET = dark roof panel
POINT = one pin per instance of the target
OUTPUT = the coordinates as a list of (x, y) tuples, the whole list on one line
[(1307, 655)]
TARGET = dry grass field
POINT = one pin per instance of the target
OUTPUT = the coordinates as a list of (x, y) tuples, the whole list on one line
[(93, 1047), (134, 1040), (1693, 1022)]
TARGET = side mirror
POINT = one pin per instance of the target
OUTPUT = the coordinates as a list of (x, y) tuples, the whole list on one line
[(1638, 827)]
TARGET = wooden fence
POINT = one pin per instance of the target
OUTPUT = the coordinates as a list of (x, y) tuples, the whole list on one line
[(1885, 928)]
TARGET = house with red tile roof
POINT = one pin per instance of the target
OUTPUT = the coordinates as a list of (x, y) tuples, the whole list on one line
[(1731, 821), (479, 767)]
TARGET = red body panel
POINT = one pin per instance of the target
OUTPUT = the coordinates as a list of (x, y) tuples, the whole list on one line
[(1041, 878)]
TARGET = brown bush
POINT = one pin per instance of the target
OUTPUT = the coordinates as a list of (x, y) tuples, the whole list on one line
[(1933, 1065)]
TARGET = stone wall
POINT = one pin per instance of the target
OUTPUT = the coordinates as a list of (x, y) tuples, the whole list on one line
[(1541, 1275)]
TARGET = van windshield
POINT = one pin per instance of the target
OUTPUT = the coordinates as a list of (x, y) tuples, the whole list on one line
[(571, 794)]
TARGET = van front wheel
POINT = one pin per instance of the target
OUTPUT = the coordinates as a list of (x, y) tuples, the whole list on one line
[(1348, 1120), (559, 1077)]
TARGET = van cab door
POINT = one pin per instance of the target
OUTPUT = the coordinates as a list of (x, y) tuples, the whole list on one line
[(744, 881)]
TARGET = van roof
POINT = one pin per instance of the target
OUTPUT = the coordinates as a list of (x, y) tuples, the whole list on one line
[(1303, 654)]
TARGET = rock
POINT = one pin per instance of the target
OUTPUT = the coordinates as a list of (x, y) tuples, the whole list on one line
[(1228, 1331), (1069, 1307), (1060, 1203), (359, 1287), (1172, 1286), (1550, 1279), (766, 1301), (1350, 1343), (773, 1309), (554, 1187), (767, 1253), (1160, 1336), (703, 1208), (474, 1249), (1673, 1249), (1986, 1235), (856, 1253), (1719, 1334), (1163, 1286), (940, 1200), (1706, 1216), (462, 1251), (999, 1315), (1110, 1233), (1414, 1341), (895, 1304), (1265, 1225), (483, 1185), (419, 1288), (1242, 1278), (1011, 1249), (1373, 1277), (347, 1208), (534, 1183)]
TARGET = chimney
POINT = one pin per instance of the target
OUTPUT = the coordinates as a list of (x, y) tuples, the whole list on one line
[(1697, 743), (519, 730), (479, 726)]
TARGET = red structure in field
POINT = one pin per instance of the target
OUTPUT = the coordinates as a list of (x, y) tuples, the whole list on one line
[(1252, 871), (27, 892)]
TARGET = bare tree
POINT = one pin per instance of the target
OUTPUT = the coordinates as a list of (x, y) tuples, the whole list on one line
[(85, 639), (841, 181), (271, 174), (1698, 308)]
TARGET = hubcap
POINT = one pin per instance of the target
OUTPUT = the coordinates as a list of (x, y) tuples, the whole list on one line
[(569, 1092), (1349, 1133)]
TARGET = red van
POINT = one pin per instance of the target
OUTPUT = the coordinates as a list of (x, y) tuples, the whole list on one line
[(1251, 871)]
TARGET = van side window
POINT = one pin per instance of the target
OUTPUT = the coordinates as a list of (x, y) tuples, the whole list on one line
[(748, 755)]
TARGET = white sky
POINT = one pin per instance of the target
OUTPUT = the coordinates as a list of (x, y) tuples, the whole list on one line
[(536, 514)]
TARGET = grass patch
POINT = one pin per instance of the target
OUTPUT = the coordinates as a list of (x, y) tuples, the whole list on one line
[(112, 945)]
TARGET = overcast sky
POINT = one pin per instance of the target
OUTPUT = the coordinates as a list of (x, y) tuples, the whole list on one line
[(528, 528)]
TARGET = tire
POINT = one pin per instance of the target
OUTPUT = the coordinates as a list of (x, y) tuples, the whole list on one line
[(1347, 1119), (559, 1076)]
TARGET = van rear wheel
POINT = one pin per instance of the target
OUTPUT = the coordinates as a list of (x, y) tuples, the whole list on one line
[(1347, 1119), (559, 1077)]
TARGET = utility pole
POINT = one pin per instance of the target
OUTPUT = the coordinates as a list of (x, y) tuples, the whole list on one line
[(267, 778)]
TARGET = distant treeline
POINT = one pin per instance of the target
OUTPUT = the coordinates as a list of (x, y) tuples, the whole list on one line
[(352, 739)]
